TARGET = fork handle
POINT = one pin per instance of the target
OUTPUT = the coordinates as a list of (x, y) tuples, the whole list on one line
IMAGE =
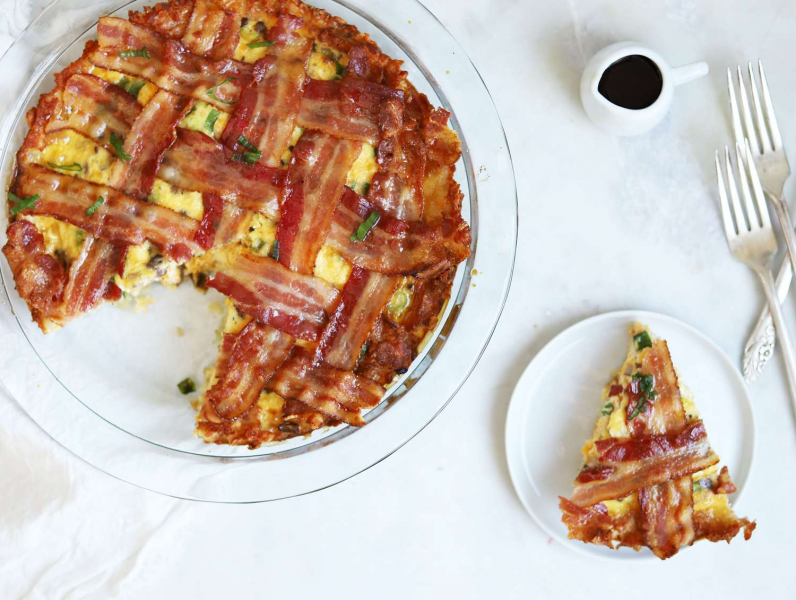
[(786, 223), (782, 332)]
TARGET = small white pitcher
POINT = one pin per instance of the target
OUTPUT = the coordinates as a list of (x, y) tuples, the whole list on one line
[(625, 121)]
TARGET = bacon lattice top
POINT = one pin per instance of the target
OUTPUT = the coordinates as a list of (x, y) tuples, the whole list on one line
[(250, 145), (650, 476)]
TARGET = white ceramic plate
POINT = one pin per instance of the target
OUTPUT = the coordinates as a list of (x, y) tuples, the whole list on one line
[(557, 399)]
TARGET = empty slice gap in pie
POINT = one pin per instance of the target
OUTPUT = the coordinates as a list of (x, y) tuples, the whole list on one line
[(649, 476)]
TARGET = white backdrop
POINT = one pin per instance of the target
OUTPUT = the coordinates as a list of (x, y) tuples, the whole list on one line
[(605, 224)]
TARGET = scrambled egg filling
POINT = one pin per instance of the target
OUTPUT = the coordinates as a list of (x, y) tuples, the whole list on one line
[(67, 147), (326, 63), (362, 171), (60, 237), (205, 118), (140, 88), (181, 201)]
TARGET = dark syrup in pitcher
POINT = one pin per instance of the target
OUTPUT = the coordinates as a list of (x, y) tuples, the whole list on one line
[(633, 82)]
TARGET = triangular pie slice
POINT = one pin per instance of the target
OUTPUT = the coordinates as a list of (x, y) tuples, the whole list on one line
[(650, 477)]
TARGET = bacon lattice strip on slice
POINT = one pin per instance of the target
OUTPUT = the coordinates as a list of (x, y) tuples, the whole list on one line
[(315, 184), (197, 162), (245, 363), (337, 393), (94, 108), (350, 108), (291, 302), (667, 511), (107, 213), (392, 246), (152, 133), (266, 113), (362, 300), (136, 50), (89, 279), (212, 32), (398, 185)]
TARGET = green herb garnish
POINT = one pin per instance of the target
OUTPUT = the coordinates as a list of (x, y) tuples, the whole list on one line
[(246, 157), (118, 146), (363, 352), (364, 228), (642, 341), (608, 409), (210, 121), (130, 53), (93, 208), (365, 189), (210, 91), (22, 203), (247, 144), (263, 44), (645, 384), (274, 252), (340, 70), (73, 167), (187, 386)]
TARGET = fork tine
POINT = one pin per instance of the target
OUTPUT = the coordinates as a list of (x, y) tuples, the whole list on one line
[(740, 221), (776, 138), (759, 196), (751, 215), (747, 116), (765, 143), (726, 216), (736, 117)]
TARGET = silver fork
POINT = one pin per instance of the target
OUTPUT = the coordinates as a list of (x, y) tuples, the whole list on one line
[(772, 165), (752, 240)]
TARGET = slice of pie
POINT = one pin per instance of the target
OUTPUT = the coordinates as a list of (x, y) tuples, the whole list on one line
[(650, 477)]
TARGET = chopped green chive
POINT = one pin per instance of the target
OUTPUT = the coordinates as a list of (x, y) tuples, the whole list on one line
[(263, 44), (118, 146), (246, 157), (130, 53), (364, 228), (365, 189), (608, 409), (73, 167), (340, 70), (187, 386), (247, 144), (642, 340), (210, 91), (363, 352), (93, 208), (210, 121), (22, 203), (274, 252), (644, 385), (135, 87)]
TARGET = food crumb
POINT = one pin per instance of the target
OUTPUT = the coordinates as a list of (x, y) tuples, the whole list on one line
[(474, 272), (216, 307), (180, 332)]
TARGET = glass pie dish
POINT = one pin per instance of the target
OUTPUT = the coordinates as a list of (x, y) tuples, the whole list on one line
[(104, 387)]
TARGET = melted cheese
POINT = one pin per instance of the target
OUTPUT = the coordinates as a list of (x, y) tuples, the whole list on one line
[(233, 320), (67, 147), (144, 265), (332, 267), (60, 237), (270, 410), (144, 94), (182, 201), (362, 171), (197, 119)]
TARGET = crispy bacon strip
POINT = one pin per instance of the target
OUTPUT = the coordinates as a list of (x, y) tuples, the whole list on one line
[(39, 277), (119, 219), (392, 246), (212, 219), (170, 66), (231, 224), (667, 512), (246, 362), (398, 185), (591, 524), (349, 108), (212, 32), (291, 302), (337, 393), (315, 183), (363, 298), (266, 113), (626, 466), (197, 162), (152, 133), (664, 413), (94, 108), (90, 276)]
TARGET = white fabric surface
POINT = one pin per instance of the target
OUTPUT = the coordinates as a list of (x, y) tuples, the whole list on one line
[(605, 224)]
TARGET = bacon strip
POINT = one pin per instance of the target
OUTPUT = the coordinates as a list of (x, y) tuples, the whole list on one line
[(90, 276), (392, 246), (626, 466), (663, 413), (152, 133), (246, 362), (349, 108), (197, 162), (212, 218), (119, 219), (212, 32), (398, 185), (363, 298), (261, 287), (667, 512), (337, 393), (315, 183), (170, 66), (267, 110), (39, 277), (94, 108), (231, 224)]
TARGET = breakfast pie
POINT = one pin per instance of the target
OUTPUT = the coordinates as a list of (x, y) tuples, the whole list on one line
[(269, 151), (650, 477)]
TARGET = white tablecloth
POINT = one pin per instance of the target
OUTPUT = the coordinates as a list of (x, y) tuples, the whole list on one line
[(604, 224)]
